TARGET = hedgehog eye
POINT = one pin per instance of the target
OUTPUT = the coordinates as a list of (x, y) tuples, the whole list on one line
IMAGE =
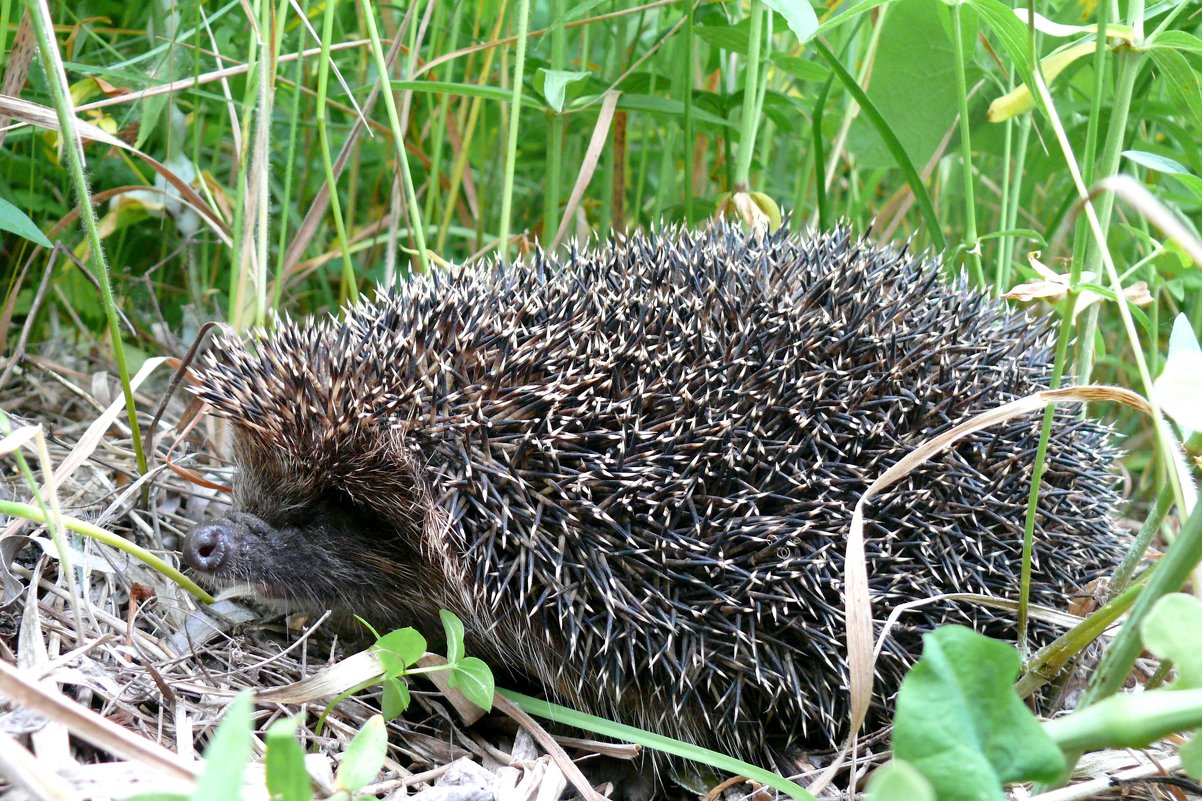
[(333, 508)]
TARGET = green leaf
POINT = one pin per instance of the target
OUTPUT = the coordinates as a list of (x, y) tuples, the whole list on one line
[(1176, 40), (1155, 162), (847, 15), (734, 38), (1179, 385), (15, 221), (363, 758), (1181, 80), (1171, 632), (1166, 165), (960, 723), (1191, 757), (662, 105), (1012, 33), (799, 15), (453, 627), (395, 698), (399, 649), (800, 68), (463, 90), (899, 781), (152, 109), (621, 731), (228, 753), (555, 84), (473, 678), (913, 86), (900, 156), (287, 779)]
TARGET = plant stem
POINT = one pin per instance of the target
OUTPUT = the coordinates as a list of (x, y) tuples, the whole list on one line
[(511, 142), (687, 68), (349, 290), (1129, 69), (555, 125), (56, 81), (416, 225), (970, 209), (14, 509), (293, 127), (1129, 64), (1012, 193), (751, 83), (1130, 720)]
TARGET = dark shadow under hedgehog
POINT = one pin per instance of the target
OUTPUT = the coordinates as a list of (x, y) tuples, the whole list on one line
[(631, 472)]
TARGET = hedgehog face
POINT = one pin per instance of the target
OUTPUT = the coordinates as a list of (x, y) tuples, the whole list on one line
[(297, 536), (313, 556)]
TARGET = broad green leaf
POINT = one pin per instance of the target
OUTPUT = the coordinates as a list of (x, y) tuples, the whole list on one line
[(900, 157), (287, 779), (799, 15), (453, 627), (899, 781), (913, 86), (1171, 632), (228, 753), (152, 109), (364, 756), (472, 677), (960, 723), (555, 84), (399, 649), (15, 221)]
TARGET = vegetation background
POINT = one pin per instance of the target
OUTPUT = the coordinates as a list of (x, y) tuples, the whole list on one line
[(236, 120), (249, 156)]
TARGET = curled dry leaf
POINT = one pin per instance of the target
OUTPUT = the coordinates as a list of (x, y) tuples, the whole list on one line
[(1053, 287)]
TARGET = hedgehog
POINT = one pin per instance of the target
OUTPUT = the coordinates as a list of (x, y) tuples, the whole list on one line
[(631, 470)]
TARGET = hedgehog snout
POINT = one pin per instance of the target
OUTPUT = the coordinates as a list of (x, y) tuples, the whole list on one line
[(210, 545)]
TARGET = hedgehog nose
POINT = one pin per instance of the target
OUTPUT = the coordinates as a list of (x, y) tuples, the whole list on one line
[(208, 546)]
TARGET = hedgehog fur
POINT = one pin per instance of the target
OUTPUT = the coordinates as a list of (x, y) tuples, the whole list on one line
[(631, 472)]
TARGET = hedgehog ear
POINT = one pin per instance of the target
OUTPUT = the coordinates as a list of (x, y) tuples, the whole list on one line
[(389, 481)]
